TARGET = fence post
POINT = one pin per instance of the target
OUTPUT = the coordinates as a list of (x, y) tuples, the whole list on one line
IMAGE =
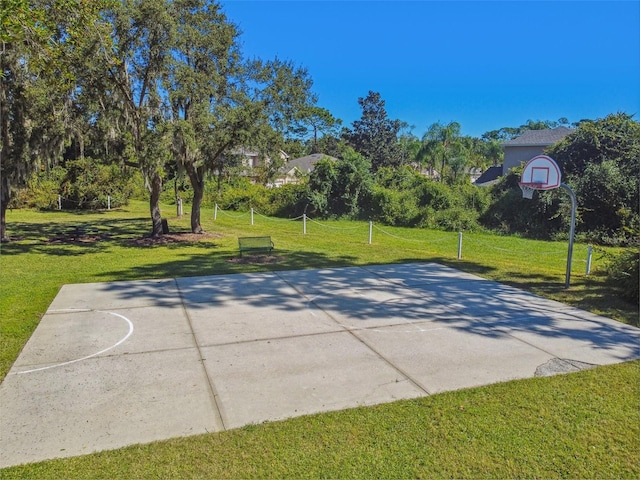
[(589, 255), (304, 223), (215, 212), (370, 231), (251, 215), (459, 245)]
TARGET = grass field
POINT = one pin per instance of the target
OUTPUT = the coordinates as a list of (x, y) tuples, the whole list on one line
[(583, 425)]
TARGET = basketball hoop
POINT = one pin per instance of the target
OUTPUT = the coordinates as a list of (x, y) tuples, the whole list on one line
[(528, 189), (543, 173)]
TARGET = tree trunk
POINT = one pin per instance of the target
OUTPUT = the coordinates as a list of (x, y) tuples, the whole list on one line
[(5, 143), (197, 183), (154, 203), (3, 222), (195, 211), (4, 203)]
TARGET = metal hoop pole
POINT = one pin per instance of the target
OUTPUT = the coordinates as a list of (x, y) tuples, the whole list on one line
[(574, 208)]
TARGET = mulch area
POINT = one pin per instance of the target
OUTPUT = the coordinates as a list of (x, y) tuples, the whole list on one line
[(146, 241), (77, 238), (172, 238)]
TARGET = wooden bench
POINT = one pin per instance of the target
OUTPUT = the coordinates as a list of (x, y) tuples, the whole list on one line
[(255, 244)]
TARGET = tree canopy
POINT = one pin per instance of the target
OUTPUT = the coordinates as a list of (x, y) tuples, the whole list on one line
[(142, 82), (601, 158), (375, 136)]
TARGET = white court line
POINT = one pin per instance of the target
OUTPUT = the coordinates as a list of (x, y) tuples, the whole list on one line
[(88, 356)]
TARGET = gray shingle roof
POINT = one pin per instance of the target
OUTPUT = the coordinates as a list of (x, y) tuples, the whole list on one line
[(490, 175), (539, 137), (306, 164)]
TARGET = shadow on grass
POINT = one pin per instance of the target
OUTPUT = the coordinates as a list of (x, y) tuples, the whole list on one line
[(70, 238), (116, 228), (212, 262), (78, 212)]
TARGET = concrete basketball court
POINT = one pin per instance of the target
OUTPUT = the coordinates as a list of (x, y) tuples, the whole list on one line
[(114, 364)]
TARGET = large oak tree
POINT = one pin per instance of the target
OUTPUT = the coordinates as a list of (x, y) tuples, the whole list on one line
[(221, 103), (44, 49)]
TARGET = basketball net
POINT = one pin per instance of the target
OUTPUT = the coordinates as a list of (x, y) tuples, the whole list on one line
[(528, 189)]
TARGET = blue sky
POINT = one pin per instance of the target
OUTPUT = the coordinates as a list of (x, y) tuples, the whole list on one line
[(483, 64)]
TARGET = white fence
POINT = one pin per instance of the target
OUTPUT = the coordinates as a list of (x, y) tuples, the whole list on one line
[(370, 228)]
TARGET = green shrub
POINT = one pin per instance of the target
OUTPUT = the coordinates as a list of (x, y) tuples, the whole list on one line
[(400, 178), (287, 201), (341, 188), (41, 192), (435, 195), (81, 184), (473, 197), (88, 184), (456, 219), (623, 271), (240, 195), (394, 207), (542, 217)]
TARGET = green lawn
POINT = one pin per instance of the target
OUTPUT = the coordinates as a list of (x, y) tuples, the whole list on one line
[(582, 425)]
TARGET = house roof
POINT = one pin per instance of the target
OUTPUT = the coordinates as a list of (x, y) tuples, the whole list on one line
[(490, 175), (305, 164), (546, 137), (254, 152)]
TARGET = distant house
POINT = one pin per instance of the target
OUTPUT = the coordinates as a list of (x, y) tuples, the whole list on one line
[(489, 176), (428, 172), (474, 173), (251, 160), (297, 168), (530, 144)]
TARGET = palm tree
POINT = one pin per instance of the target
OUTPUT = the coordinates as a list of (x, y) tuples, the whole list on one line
[(440, 143)]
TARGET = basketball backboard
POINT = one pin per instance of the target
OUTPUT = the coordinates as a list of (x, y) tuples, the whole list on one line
[(540, 173)]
